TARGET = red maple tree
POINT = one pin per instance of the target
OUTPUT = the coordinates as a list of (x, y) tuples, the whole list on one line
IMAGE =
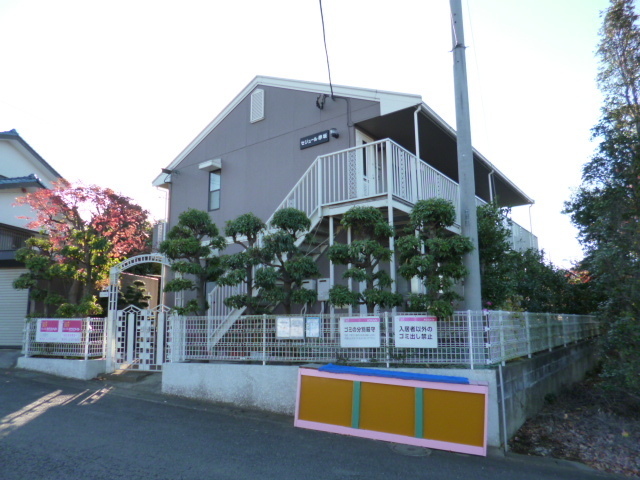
[(91, 228)]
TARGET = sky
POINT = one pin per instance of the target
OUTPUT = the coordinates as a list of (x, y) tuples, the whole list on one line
[(109, 93)]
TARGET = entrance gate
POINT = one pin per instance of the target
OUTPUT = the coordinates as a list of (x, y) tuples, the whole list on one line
[(141, 338), (136, 338)]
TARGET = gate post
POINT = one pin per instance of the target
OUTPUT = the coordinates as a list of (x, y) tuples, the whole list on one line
[(110, 327), (87, 329)]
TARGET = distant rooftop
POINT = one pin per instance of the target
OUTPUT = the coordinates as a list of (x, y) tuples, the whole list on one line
[(13, 135)]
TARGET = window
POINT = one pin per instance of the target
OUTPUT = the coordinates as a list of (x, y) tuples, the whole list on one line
[(214, 190)]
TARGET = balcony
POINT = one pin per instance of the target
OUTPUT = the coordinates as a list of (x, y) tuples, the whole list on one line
[(379, 173)]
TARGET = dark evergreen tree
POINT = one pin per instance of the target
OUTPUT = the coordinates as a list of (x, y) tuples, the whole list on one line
[(192, 244), (434, 255), (606, 207), (366, 253)]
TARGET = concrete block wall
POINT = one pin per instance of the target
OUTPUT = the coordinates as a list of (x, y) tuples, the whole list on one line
[(528, 381)]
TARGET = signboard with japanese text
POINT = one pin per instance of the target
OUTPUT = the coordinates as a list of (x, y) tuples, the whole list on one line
[(313, 327), (360, 332), (290, 327), (414, 331), (315, 139), (59, 331)]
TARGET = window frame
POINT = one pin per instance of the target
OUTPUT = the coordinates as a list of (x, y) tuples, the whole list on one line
[(211, 208)]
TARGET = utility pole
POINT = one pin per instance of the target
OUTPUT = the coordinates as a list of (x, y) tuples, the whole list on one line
[(466, 177)]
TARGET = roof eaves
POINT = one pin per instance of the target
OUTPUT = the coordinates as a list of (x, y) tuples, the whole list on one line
[(449, 129)]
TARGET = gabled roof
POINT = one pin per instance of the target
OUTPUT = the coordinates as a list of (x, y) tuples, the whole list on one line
[(389, 102), (23, 146)]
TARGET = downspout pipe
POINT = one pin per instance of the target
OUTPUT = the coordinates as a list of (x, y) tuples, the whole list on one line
[(416, 130), (491, 194)]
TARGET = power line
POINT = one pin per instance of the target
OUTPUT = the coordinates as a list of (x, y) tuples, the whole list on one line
[(324, 36)]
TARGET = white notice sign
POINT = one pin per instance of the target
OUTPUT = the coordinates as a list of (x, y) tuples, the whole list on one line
[(313, 327), (290, 327), (415, 331), (360, 332)]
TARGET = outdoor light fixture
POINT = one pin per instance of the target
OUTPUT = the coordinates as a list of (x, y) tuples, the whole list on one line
[(334, 132)]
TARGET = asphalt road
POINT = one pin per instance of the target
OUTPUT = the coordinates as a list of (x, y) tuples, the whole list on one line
[(52, 428)]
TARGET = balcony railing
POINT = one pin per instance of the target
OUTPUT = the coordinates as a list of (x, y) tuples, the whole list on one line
[(365, 172)]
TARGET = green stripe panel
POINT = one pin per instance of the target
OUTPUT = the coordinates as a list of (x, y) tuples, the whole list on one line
[(419, 413), (355, 406)]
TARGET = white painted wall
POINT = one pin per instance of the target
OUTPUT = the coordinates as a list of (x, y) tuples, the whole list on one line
[(14, 162), (80, 369), (9, 214), (264, 387)]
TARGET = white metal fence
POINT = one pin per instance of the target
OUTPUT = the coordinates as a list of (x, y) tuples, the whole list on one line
[(468, 338), (92, 344)]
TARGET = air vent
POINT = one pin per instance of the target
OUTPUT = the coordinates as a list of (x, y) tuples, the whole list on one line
[(257, 106)]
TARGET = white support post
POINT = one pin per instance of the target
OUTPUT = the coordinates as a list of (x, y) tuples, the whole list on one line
[(527, 327), (160, 328), (386, 340), (470, 329), (27, 336), (502, 349), (320, 192), (392, 260), (176, 341), (416, 161), (332, 273), (87, 329), (264, 339), (350, 280)]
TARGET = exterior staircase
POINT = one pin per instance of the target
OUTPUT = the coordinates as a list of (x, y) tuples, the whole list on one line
[(334, 183)]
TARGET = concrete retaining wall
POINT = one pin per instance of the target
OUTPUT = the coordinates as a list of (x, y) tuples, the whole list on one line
[(264, 387), (273, 387), (528, 381), (80, 369)]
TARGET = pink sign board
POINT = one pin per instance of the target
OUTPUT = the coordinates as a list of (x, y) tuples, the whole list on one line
[(59, 331)]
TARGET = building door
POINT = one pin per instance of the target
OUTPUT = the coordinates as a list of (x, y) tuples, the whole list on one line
[(368, 166)]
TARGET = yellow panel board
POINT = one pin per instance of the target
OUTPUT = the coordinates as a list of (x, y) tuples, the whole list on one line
[(456, 417), (387, 408), (325, 400)]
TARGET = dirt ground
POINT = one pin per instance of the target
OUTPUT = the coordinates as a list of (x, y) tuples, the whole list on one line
[(588, 424)]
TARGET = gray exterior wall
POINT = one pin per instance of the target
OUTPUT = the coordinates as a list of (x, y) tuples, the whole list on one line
[(262, 161)]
